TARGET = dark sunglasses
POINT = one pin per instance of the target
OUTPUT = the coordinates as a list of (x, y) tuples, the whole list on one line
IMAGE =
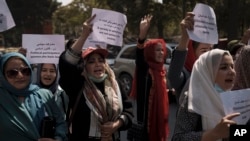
[(14, 72)]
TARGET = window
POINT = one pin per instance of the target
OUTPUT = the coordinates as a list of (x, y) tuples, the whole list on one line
[(129, 53)]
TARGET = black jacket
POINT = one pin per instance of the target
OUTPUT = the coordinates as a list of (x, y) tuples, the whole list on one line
[(72, 81)]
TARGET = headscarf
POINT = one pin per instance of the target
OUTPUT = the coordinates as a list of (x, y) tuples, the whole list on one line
[(52, 87), (242, 68), (26, 117), (191, 58), (105, 106), (24, 92), (203, 98), (158, 96)]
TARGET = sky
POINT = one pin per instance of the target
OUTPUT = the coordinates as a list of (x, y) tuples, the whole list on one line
[(65, 2)]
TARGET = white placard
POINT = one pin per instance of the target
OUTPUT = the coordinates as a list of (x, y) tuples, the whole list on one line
[(91, 43), (43, 48), (108, 27), (6, 20), (237, 101), (158, 1), (205, 27)]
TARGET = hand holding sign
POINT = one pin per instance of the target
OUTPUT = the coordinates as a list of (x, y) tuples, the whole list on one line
[(205, 27), (108, 27), (237, 101)]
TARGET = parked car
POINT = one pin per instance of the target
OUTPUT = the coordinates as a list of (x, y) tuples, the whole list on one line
[(113, 51), (124, 65)]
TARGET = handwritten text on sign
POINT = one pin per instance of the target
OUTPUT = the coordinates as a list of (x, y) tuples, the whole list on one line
[(237, 101), (205, 27), (108, 26)]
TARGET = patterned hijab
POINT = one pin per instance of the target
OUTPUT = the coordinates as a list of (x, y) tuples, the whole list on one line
[(242, 68), (53, 87), (203, 98), (158, 97)]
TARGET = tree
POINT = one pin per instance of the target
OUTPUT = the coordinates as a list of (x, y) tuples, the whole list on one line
[(29, 17)]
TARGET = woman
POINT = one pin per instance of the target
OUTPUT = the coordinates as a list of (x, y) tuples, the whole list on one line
[(242, 69), (47, 77), (184, 57), (94, 92), (24, 106), (202, 117), (149, 85)]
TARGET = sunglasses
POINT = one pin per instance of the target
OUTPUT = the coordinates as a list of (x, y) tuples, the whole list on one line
[(14, 72)]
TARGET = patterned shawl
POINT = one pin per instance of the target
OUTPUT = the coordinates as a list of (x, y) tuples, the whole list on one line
[(108, 106), (242, 68)]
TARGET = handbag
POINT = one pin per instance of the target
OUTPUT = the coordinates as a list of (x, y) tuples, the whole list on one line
[(48, 127), (137, 130)]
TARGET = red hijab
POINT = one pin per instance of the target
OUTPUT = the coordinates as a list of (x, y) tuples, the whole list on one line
[(191, 58), (158, 109)]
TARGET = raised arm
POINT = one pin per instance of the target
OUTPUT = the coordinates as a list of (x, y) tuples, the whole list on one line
[(186, 23), (144, 26), (86, 30)]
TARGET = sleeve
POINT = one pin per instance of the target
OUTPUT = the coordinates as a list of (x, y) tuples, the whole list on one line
[(176, 76), (127, 114), (70, 80), (188, 125)]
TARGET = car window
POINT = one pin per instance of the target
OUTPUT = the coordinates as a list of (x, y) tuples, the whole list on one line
[(169, 52), (129, 53), (110, 56)]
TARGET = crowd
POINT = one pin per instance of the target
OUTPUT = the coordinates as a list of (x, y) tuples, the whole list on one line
[(80, 98)]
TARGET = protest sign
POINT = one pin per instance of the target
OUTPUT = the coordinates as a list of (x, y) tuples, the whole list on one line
[(43, 48), (158, 1), (91, 43), (237, 101), (205, 27), (108, 27), (6, 20)]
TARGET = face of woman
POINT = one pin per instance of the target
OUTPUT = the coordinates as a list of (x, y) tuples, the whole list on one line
[(95, 65), (202, 48), (48, 74), (159, 53), (17, 73), (225, 77)]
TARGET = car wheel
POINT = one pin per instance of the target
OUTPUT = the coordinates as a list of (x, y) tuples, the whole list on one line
[(125, 83)]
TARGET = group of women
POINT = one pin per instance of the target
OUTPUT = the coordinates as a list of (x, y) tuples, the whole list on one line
[(89, 105)]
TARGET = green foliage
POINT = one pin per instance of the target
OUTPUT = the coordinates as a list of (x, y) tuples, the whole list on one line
[(29, 16), (232, 16)]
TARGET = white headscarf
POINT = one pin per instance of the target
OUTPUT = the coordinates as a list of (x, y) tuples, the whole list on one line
[(203, 98)]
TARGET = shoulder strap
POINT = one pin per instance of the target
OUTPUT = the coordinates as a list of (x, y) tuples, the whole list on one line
[(75, 106)]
